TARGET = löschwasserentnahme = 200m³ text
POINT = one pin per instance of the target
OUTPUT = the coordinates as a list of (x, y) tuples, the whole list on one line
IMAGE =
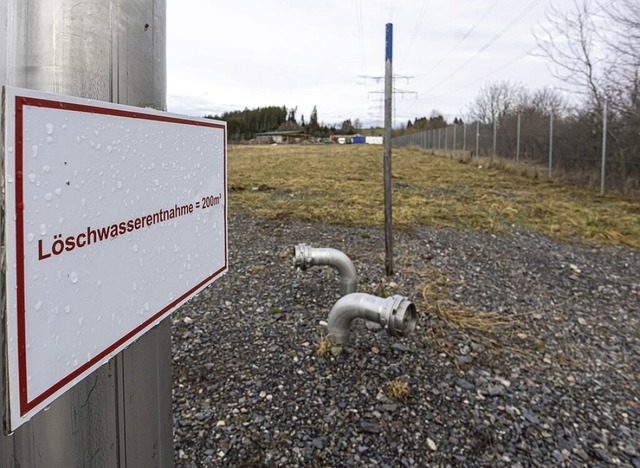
[(90, 235)]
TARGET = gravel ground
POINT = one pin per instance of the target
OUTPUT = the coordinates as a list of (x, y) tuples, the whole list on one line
[(559, 386)]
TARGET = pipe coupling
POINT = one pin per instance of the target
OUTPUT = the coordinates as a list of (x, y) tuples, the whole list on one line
[(397, 314), (302, 257), (401, 316)]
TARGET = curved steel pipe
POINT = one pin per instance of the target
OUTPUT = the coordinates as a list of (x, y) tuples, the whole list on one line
[(397, 314), (305, 256)]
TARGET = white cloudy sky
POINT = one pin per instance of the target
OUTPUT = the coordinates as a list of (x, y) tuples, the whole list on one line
[(230, 55)]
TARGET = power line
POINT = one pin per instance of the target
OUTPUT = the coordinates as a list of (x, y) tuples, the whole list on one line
[(416, 29), (492, 72), (360, 28), (476, 80), (465, 35), (528, 52), (489, 43)]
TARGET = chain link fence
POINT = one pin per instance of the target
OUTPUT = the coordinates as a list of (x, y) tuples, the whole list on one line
[(598, 149)]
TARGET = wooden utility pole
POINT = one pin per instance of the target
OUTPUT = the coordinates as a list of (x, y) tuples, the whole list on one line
[(388, 109)]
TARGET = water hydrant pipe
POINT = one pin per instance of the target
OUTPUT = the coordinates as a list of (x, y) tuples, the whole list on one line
[(397, 314), (305, 256)]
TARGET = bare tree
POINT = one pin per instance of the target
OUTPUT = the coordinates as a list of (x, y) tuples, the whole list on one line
[(544, 101), (495, 101), (575, 50), (624, 42), (625, 18)]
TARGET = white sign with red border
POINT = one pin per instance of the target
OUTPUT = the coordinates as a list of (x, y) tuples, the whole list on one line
[(114, 217)]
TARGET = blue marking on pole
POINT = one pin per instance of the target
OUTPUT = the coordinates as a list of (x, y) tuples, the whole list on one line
[(389, 51)]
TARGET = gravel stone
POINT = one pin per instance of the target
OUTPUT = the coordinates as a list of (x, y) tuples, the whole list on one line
[(462, 383), (370, 427), (558, 388)]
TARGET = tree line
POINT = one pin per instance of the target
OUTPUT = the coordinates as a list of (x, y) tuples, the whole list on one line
[(244, 125)]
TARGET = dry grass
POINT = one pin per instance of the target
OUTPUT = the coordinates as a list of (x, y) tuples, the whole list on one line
[(323, 347), (487, 328), (397, 390), (343, 184)]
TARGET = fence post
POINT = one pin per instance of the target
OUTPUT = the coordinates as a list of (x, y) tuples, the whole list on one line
[(454, 137), (604, 147), (439, 139), (550, 143), (477, 138), (464, 137), (495, 139), (518, 141)]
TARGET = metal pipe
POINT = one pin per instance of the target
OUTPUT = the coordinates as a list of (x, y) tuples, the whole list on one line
[(305, 256), (397, 314)]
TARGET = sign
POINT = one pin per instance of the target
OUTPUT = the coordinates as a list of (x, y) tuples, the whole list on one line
[(114, 217)]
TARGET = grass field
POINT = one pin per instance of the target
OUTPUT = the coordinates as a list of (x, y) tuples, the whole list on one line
[(344, 184)]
